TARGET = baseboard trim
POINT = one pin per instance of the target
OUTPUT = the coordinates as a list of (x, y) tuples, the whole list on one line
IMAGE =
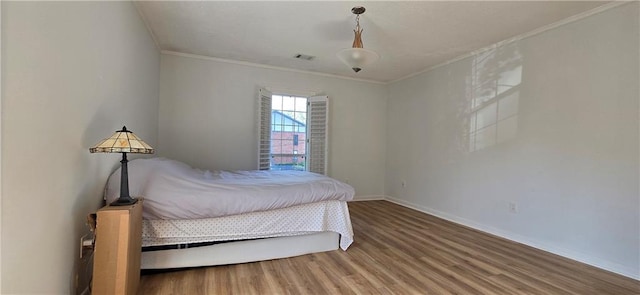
[(573, 255), (368, 198)]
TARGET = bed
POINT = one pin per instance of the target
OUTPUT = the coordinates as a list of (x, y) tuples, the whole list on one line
[(194, 217)]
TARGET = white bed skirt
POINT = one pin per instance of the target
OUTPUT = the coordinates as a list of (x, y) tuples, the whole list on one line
[(241, 251), (291, 221)]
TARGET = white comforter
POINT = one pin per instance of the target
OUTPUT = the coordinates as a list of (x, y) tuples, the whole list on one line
[(174, 190)]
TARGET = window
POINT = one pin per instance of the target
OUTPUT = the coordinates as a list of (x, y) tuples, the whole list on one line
[(288, 125), (293, 132)]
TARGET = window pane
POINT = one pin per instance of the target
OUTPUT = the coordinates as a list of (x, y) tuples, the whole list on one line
[(301, 117), (301, 104), (276, 135), (289, 113), (288, 103), (276, 102)]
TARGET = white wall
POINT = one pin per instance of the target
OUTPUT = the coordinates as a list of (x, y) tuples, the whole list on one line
[(208, 117), (72, 74), (568, 157)]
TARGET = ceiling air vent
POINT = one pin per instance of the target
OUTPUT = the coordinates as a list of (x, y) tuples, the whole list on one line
[(304, 56)]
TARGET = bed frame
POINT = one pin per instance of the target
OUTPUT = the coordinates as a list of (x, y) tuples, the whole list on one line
[(241, 251)]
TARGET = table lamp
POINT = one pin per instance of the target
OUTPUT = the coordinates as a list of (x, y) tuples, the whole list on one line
[(123, 141)]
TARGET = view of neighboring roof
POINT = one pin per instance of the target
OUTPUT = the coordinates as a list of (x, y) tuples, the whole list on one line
[(285, 123)]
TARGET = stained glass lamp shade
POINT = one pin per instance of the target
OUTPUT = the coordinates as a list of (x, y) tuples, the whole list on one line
[(123, 141)]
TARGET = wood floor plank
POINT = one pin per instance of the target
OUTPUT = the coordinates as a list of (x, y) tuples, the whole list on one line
[(401, 251)]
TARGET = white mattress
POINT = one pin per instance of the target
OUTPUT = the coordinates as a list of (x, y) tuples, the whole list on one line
[(296, 220), (174, 190)]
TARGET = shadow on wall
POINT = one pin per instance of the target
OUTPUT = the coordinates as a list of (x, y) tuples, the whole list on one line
[(493, 93)]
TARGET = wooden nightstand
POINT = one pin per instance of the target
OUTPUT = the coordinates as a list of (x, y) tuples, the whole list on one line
[(116, 262)]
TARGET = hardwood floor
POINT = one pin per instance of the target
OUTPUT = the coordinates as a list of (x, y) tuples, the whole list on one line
[(402, 251)]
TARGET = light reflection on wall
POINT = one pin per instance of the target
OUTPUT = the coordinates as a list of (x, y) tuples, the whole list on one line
[(496, 76)]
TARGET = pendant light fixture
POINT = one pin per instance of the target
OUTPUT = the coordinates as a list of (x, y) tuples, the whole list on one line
[(357, 57)]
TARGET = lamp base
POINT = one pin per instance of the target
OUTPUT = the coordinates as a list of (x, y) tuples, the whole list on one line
[(124, 201)]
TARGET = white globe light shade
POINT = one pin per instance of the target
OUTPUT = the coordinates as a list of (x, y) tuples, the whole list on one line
[(357, 58)]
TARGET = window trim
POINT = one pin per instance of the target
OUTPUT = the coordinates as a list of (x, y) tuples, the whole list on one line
[(264, 134)]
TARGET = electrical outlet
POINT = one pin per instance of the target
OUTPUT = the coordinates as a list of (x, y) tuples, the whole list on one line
[(84, 267), (86, 245), (513, 207)]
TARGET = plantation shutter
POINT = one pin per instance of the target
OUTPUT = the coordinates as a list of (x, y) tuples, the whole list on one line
[(264, 129), (317, 133)]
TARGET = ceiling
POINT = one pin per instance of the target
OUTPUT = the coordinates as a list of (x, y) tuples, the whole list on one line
[(409, 36)]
